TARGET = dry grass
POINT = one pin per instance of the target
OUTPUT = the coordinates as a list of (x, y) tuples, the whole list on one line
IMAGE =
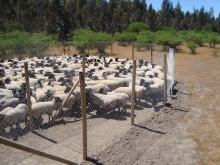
[(201, 74)]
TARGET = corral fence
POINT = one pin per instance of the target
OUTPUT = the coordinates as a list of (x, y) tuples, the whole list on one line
[(68, 107)]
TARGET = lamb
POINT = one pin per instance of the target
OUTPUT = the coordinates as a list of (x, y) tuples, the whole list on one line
[(11, 116), (46, 107)]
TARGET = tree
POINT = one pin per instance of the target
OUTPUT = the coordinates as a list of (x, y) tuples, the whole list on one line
[(151, 18), (167, 13), (179, 16)]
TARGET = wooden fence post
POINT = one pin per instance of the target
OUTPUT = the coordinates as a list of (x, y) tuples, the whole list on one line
[(11, 51), (111, 49), (132, 50), (151, 54), (64, 48), (133, 96), (32, 150), (165, 80), (30, 114), (37, 49), (83, 63), (83, 106), (87, 48)]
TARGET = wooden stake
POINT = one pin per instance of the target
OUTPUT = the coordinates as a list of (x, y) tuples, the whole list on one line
[(83, 105), (83, 63), (133, 96), (87, 48), (29, 149), (151, 54), (111, 49), (132, 50), (64, 48), (11, 51), (30, 114), (37, 49)]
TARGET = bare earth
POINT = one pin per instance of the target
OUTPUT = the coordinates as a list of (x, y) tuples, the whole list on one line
[(185, 131)]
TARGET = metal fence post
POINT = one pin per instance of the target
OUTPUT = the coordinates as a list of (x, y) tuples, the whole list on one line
[(133, 96), (83, 106), (165, 80), (30, 114)]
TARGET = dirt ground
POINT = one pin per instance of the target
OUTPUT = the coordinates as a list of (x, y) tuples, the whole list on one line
[(185, 131)]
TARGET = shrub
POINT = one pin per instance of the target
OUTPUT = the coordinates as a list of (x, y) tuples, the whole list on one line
[(192, 46), (42, 40), (101, 41), (213, 39), (144, 38), (215, 52), (18, 41), (125, 37), (196, 37), (81, 37), (137, 27), (168, 38)]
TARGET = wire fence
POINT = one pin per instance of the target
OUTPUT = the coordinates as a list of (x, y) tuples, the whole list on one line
[(73, 106)]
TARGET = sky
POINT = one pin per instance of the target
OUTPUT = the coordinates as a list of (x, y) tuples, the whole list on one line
[(187, 5)]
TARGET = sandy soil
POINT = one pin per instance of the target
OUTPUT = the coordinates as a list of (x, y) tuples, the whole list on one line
[(185, 131)]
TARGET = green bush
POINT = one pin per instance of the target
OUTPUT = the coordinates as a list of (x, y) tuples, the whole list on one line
[(168, 38), (96, 40), (39, 41), (16, 40), (192, 46), (81, 37), (101, 41), (144, 39), (213, 39), (23, 43), (125, 37), (196, 37), (137, 27)]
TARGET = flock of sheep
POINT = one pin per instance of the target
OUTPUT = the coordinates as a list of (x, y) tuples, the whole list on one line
[(108, 83)]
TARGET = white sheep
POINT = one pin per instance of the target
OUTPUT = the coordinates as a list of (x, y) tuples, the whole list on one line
[(109, 101), (12, 102), (97, 88), (139, 90), (42, 96), (11, 116), (46, 107)]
